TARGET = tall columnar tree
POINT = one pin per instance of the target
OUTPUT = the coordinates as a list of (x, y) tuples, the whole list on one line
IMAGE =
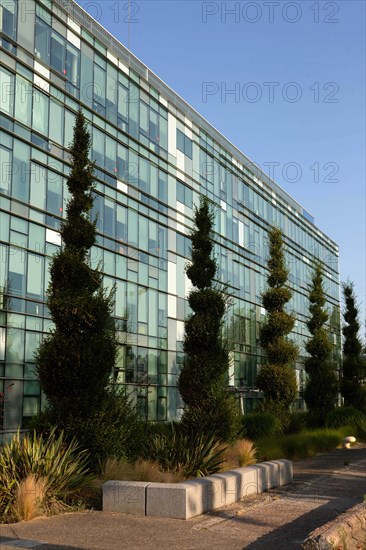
[(353, 383), (76, 360), (277, 377), (322, 384), (203, 379)]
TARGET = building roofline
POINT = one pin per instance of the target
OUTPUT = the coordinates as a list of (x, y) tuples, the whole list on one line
[(132, 61)]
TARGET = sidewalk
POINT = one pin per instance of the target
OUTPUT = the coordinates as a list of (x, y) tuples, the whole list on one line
[(323, 487)]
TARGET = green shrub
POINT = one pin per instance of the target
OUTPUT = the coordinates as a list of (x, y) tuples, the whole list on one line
[(361, 429), (269, 448), (298, 422), (344, 416), (348, 416), (113, 431), (302, 445), (258, 425), (61, 469), (179, 452), (218, 416), (278, 410)]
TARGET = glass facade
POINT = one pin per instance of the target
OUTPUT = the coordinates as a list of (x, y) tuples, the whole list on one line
[(154, 157)]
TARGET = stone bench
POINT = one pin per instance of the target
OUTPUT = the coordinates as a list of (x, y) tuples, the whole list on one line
[(191, 498)]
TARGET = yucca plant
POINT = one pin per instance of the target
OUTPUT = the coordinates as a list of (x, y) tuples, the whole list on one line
[(61, 466)]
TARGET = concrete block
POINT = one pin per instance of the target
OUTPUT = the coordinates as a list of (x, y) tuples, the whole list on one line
[(237, 483), (268, 476), (247, 481), (194, 497), (125, 496), (218, 490), (175, 500), (213, 491), (228, 485), (286, 472)]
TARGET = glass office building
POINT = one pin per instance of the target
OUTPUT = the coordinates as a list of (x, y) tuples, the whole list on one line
[(154, 156)]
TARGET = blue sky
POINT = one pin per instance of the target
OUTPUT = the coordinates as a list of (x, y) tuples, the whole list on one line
[(298, 110)]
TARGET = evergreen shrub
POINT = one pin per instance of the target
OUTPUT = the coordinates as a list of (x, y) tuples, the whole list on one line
[(258, 425)]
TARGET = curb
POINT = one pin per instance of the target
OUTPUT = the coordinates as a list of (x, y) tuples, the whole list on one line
[(193, 497), (346, 531)]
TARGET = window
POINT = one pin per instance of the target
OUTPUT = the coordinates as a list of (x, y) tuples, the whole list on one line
[(112, 89), (21, 155), (121, 229), (34, 277), (122, 162), (184, 144), (72, 65), (122, 106), (163, 128), (144, 118), (38, 185), (110, 154), (23, 101), (133, 167), (100, 79), (109, 217), (133, 106), (98, 147), (183, 246), (8, 18), (163, 186), (58, 53), (69, 125), (42, 40), (54, 193), (40, 112), (5, 170), (184, 194), (162, 249), (7, 91), (16, 278), (144, 174), (154, 131), (56, 121), (152, 124)]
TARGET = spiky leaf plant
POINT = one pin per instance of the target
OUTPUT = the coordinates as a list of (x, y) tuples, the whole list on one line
[(62, 468)]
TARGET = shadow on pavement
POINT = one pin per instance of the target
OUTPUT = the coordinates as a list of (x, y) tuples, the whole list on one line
[(9, 542), (291, 535)]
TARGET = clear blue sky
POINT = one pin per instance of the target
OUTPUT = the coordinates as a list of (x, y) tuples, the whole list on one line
[(298, 69)]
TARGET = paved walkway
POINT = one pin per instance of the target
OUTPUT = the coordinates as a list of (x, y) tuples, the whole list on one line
[(323, 487)]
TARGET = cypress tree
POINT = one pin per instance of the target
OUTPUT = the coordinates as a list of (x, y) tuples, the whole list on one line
[(75, 361), (353, 386), (322, 385), (203, 379), (277, 378)]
